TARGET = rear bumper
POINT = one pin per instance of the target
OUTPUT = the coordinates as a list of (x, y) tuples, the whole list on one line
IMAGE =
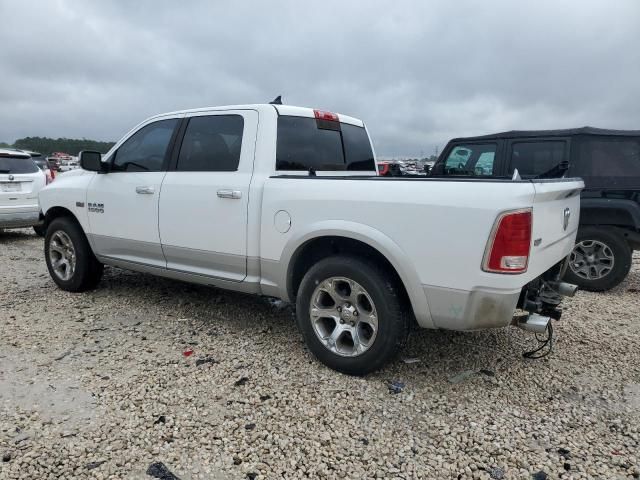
[(19, 219), (471, 310)]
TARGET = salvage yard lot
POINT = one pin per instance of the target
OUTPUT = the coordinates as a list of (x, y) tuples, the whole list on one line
[(98, 385)]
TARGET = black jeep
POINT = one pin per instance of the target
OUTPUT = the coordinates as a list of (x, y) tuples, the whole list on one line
[(609, 163)]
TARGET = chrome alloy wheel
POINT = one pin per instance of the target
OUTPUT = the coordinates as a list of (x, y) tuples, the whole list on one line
[(591, 260), (62, 255), (343, 316)]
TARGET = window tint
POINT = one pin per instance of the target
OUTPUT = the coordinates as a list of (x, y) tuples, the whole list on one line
[(302, 145), (145, 150), (17, 165), (607, 162), (211, 144), (536, 158), (471, 159), (357, 148)]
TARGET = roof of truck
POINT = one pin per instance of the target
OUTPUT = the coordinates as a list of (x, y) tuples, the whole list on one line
[(554, 133), (280, 109)]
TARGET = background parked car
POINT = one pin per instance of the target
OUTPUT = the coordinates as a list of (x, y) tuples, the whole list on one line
[(66, 165), (20, 182), (609, 163), (44, 165)]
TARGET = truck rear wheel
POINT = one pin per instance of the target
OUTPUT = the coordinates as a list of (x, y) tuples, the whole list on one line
[(600, 260), (353, 317), (69, 257)]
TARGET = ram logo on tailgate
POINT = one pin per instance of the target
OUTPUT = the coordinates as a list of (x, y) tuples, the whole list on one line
[(565, 220)]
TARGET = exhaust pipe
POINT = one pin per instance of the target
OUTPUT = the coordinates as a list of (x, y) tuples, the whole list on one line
[(533, 323), (563, 288)]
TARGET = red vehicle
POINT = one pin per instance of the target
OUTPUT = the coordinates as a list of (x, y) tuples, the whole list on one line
[(388, 169)]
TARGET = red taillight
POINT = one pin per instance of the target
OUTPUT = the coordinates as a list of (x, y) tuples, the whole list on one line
[(320, 115), (509, 244)]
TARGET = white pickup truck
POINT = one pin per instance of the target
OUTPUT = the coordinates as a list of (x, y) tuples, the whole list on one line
[(285, 201)]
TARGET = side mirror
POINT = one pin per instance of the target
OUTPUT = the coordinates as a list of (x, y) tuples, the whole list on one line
[(92, 161)]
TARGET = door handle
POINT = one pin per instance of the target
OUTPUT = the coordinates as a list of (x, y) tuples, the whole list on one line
[(234, 194), (145, 190)]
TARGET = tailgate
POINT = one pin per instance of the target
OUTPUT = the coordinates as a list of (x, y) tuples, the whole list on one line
[(556, 214), (20, 189)]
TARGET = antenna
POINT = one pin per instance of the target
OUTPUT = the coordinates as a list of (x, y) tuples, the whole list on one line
[(277, 100)]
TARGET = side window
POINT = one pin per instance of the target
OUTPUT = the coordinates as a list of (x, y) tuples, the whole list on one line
[(145, 150), (607, 162), (536, 158), (471, 159), (211, 144)]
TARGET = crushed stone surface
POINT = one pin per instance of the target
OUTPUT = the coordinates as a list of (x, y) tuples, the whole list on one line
[(99, 385)]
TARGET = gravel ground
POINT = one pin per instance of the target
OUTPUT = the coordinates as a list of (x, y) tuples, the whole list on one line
[(98, 385)]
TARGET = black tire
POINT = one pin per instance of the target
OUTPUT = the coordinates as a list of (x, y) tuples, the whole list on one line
[(390, 306), (88, 271), (619, 248), (40, 230)]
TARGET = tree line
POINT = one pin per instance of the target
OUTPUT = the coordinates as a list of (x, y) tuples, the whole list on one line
[(47, 146)]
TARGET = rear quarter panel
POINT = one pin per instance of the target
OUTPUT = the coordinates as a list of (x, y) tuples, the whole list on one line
[(433, 231)]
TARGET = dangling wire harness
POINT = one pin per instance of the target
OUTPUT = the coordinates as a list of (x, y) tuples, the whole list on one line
[(545, 347)]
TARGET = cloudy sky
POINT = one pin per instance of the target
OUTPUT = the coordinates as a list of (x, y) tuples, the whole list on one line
[(418, 73)]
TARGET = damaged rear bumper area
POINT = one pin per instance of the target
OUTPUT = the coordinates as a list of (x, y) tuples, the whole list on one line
[(530, 308), (540, 299)]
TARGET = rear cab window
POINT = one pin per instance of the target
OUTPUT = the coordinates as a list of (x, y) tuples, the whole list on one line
[(306, 143)]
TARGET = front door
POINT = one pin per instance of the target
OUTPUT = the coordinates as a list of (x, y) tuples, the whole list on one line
[(122, 205), (204, 197)]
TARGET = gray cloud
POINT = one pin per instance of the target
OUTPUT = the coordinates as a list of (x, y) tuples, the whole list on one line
[(418, 73)]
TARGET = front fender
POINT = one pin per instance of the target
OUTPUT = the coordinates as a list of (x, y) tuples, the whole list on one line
[(375, 239), (69, 191)]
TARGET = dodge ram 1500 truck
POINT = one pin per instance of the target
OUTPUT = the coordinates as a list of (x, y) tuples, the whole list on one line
[(285, 201)]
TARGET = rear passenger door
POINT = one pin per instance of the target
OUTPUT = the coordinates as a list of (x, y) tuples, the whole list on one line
[(204, 196), (535, 157)]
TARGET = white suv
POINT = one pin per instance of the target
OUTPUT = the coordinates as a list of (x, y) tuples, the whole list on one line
[(20, 182)]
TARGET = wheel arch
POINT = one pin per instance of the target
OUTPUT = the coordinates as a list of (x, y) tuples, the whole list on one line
[(359, 240), (604, 211), (57, 212)]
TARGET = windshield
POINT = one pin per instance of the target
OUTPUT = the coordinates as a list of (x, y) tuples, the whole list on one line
[(17, 165)]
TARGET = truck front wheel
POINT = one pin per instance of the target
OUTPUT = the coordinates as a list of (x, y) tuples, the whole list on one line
[(600, 260), (352, 314), (69, 257)]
